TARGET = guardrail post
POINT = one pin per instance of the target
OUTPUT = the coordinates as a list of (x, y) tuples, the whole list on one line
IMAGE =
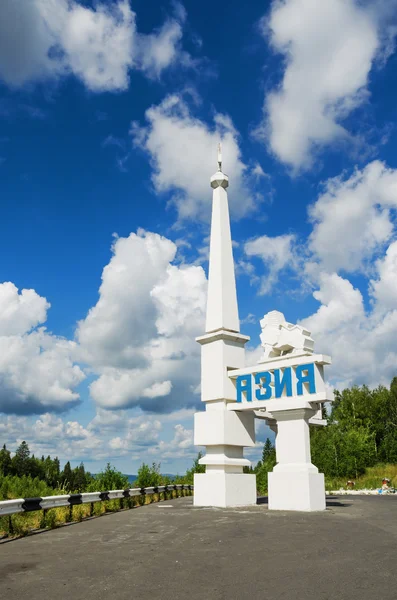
[(91, 509), (43, 519), (10, 525)]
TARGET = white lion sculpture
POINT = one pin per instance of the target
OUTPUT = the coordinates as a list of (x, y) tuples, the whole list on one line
[(279, 337)]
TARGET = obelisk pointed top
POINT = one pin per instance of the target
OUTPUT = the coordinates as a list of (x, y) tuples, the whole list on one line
[(222, 310), (219, 156), (219, 179)]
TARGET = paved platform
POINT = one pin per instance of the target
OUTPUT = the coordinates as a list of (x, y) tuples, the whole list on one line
[(174, 551)]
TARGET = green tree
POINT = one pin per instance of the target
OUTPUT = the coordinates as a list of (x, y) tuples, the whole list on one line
[(268, 452), (80, 480), (263, 467), (54, 472), (148, 476), (5, 461), (388, 446), (67, 477), (361, 407), (51, 470), (362, 431), (357, 451), (35, 468), (325, 450), (109, 479), (20, 462)]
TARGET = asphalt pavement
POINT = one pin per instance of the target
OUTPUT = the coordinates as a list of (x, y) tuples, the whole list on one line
[(174, 551)]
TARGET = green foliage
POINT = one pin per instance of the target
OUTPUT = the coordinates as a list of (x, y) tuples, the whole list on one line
[(5, 461), (148, 476), (20, 463), (265, 465), (51, 470), (24, 476), (81, 479), (51, 519), (268, 453), (109, 479), (344, 452), (362, 432), (67, 477), (12, 486)]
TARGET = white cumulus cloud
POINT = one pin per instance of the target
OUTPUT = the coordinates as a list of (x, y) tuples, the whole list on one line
[(183, 150), (352, 219), (20, 312), (37, 370), (384, 288), (42, 39), (139, 337), (181, 445), (277, 254), (363, 344), (329, 48)]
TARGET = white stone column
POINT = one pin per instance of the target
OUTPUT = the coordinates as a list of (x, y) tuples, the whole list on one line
[(222, 432), (295, 483)]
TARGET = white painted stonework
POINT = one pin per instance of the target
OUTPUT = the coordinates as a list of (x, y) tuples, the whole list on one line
[(222, 348), (286, 389), (279, 338)]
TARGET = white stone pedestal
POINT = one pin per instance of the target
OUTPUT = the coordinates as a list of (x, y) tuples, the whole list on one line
[(224, 434), (295, 483), (294, 490), (224, 489)]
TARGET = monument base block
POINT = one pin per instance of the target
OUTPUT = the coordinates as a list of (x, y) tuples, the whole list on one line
[(294, 490), (224, 489)]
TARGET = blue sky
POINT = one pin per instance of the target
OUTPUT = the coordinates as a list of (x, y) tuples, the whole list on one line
[(110, 116)]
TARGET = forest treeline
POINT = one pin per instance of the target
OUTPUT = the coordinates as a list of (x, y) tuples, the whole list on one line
[(361, 433)]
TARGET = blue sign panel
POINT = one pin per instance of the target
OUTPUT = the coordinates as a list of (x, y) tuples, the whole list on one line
[(269, 385)]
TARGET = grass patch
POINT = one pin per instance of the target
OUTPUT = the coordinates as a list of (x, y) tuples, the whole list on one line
[(372, 478)]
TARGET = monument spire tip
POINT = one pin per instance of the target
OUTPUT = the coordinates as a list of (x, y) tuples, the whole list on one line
[(219, 156)]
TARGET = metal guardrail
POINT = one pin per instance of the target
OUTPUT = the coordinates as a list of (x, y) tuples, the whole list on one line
[(21, 505)]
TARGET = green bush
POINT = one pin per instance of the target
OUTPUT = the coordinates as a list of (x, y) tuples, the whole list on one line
[(12, 486), (148, 476), (109, 479)]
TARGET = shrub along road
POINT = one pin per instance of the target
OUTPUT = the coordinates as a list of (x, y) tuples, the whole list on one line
[(173, 550)]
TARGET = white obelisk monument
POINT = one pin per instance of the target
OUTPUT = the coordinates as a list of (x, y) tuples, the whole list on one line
[(223, 432)]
